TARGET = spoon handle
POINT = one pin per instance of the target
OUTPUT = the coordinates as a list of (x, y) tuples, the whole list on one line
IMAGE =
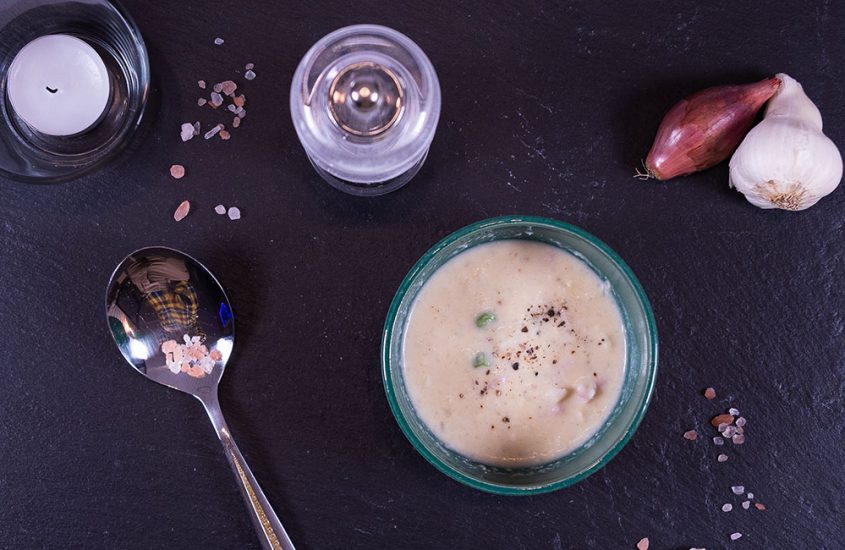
[(267, 525)]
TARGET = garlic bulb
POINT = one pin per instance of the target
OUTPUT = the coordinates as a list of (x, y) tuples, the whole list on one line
[(786, 161)]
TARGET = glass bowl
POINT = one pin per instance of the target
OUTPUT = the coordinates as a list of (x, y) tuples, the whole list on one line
[(31, 156), (640, 367)]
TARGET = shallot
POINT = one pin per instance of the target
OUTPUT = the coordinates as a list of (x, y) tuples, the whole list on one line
[(705, 128)]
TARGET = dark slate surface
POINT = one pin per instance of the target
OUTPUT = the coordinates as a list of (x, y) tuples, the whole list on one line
[(547, 110)]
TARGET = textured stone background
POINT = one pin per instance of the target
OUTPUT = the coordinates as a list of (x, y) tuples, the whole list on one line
[(547, 109)]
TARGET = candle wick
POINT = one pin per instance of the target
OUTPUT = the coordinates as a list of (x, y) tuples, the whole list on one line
[(52, 90)]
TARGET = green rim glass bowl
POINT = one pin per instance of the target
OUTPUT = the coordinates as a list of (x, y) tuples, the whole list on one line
[(640, 367)]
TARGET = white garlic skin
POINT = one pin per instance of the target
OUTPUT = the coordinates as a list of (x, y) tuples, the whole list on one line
[(786, 161)]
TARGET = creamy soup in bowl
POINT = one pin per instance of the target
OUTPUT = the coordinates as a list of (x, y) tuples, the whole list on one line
[(519, 355), (514, 353)]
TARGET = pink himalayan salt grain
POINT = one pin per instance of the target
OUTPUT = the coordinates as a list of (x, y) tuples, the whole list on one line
[(177, 171), (249, 66), (220, 209), (214, 131), (236, 122), (182, 211), (240, 100), (691, 435), (228, 87), (224, 135), (201, 84), (643, 544), (722, 458), (202, 101), (710, 393), (186, 131)]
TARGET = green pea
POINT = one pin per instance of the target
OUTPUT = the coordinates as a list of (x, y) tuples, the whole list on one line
[(485, 319)]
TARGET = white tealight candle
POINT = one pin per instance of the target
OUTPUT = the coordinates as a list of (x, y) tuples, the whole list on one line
[(59, 85)]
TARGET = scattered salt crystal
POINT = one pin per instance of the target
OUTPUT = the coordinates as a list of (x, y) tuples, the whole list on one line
[(234, 213), (249, 66), (218, 87), (218, 41), (727, 507), (741, 421), (177, 171), (241, 112), (213, 132), (224, 135), (746, 505), (736, 536), (187, 131), (722, 458), (740, 430), (201, 84), (738, 439), (182, 211), (220, 209), (228, 87), (730, 431), (759, 505), (202, 101), (643, 544), (216, 100), (236, 122), (718, 441), (197, 128), (250, 75), (691, 435), (240, 100), (710, 393), (722, 427), (232, 108), (738, 489), (733, 411)]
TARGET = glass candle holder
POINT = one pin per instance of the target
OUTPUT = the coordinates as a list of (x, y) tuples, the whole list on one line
[(365, 101), (98, 109)]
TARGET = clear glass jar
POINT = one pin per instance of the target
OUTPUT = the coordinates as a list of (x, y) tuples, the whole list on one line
[(29, 155), (365, 101)]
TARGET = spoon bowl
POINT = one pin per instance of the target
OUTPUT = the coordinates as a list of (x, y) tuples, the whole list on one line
[(172, 321)]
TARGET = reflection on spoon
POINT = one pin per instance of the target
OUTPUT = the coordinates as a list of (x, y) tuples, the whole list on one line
[(172, 322)]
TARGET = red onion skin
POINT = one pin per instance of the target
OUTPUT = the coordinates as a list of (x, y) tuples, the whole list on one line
[(704, 129)]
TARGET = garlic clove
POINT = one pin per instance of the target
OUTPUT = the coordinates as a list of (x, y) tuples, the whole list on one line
[(786, 161)]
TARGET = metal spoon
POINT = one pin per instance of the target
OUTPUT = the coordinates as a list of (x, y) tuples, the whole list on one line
[(172, 322)]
